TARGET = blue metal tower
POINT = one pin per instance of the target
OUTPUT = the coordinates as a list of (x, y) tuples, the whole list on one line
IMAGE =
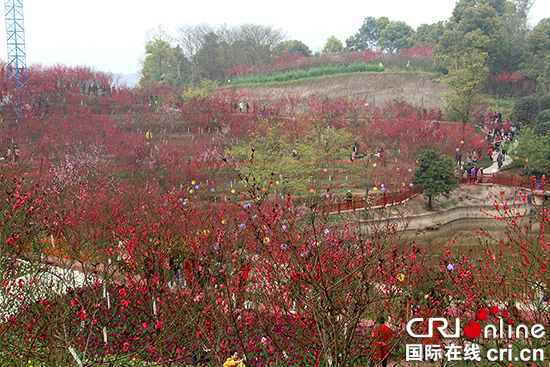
[(17, 61)]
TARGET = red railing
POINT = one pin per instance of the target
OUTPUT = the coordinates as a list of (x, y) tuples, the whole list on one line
[(507, 290), (387, 198), (373, 200), (504, 180)]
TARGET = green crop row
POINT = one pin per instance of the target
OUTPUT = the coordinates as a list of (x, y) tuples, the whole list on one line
[(309, 73)]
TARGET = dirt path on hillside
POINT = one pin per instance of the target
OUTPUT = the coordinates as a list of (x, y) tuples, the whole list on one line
[(376, 88)]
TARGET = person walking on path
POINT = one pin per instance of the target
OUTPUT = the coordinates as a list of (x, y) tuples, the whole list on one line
[(500, 160), (242, 281), (175, 272), (16, 153), (381, 338), (383, 156), (349, 198)]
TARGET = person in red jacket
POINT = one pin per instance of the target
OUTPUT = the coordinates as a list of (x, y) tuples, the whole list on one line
[(381, 338), (242, 281)]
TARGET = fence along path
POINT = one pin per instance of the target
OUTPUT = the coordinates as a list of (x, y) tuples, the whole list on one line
[(377, 200)]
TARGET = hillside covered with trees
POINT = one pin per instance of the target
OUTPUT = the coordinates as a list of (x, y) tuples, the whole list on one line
[(511, 58), (173, 223)]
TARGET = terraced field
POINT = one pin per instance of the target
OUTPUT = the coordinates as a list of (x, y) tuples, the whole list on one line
[(417, 88)]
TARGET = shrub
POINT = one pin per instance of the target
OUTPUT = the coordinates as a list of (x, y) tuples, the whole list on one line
[(280, 77), (526, 110), (357, 67), (543, 116), (313, 72), (542, 129), (544, 102)]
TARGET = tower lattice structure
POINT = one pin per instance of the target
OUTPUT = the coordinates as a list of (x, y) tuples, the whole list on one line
[(17, 63)]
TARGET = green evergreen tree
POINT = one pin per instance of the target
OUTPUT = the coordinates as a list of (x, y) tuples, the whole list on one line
[(333, 45), (533, 151), (396, 36), (368, 35), (291, 47), (435, 174), (526, 110), (428, 34), (155, 64)]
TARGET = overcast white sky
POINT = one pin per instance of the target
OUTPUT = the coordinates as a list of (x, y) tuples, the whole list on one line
[(109, 35)]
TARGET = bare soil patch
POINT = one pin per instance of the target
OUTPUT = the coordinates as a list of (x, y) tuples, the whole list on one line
[(418, 88)]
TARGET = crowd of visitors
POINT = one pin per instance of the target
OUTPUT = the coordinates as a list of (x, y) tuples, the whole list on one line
[(12, 154)]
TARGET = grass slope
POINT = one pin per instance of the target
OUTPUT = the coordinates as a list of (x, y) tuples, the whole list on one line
[(417, 88)]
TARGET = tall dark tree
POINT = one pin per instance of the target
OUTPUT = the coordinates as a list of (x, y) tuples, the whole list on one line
[(537, 56), (211, 57), (526, 110), (191, 39), (449, 48), (516, 27), (164, 63), (458, 11), (396, 36), (156, 62), (179, 68), (499, 6), (467, 74), (428, 34), (368, 35), (485, 19)]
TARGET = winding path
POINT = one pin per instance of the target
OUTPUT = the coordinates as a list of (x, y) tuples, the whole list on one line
[(492, 177)]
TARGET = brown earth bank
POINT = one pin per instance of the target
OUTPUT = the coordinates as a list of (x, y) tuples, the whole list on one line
[(459, 216), (416, 88)]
